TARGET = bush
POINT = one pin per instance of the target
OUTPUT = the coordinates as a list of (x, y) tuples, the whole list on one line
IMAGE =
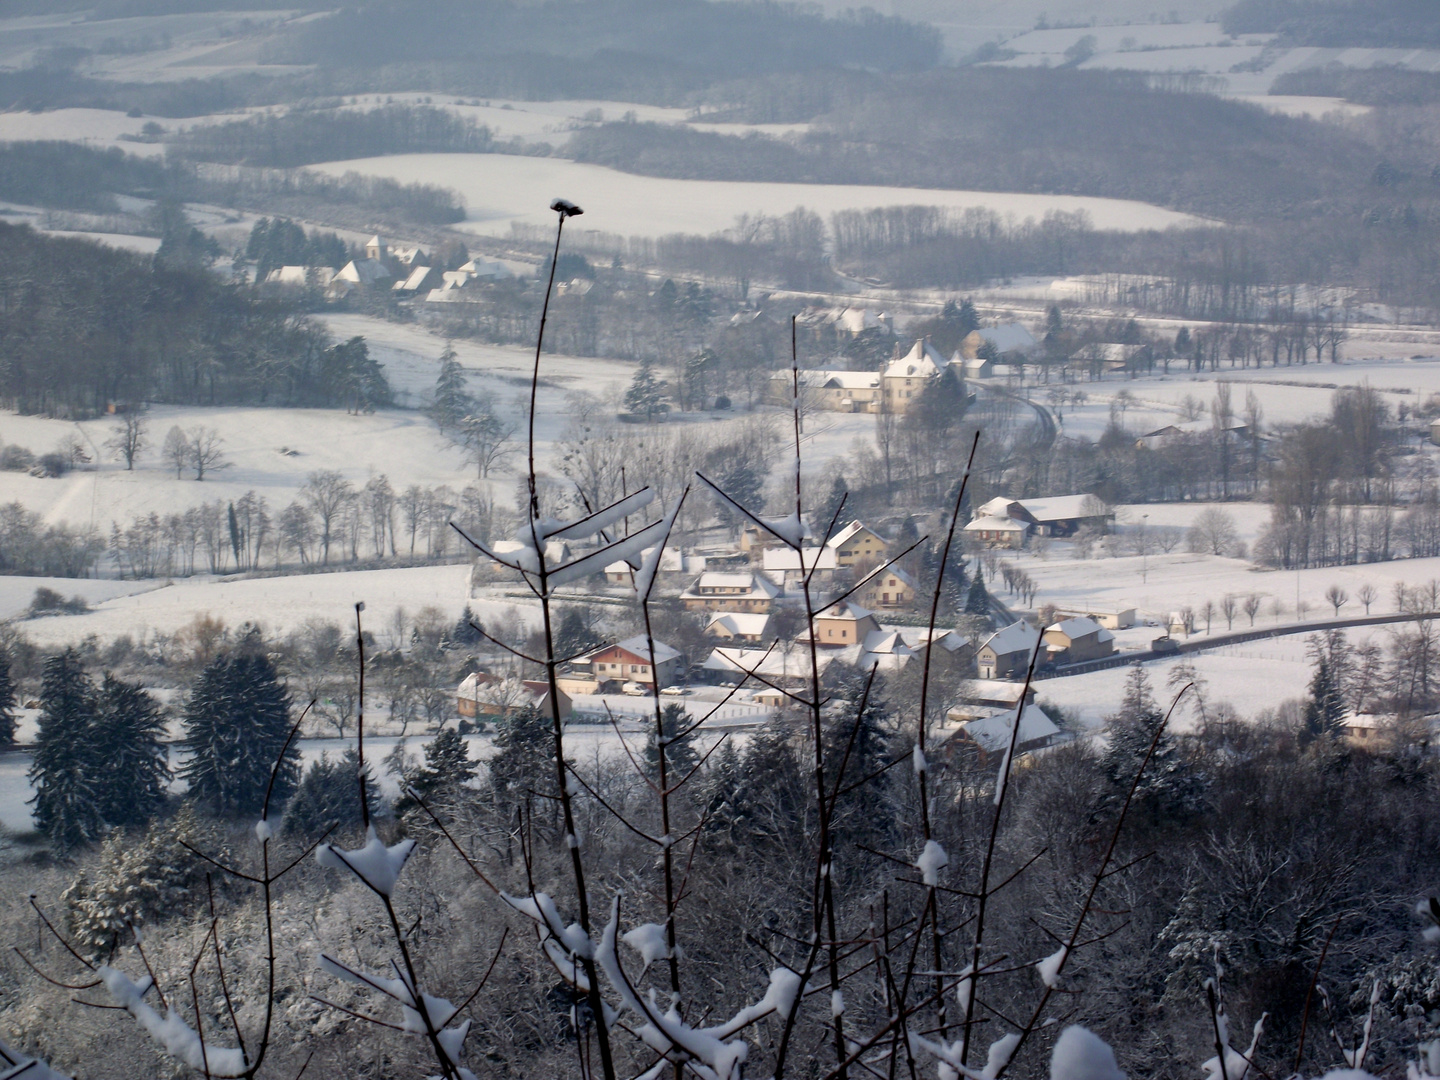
[(16, 459)]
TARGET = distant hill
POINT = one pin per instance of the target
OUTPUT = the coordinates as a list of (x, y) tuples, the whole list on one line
[(1338, 24)]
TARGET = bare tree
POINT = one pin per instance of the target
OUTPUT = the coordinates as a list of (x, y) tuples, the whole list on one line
[(1167, 537), (1213, 533), (177, 450), (486, 440), (127, 438), (1251, 606), (1367, 594), (328, 495), (204, 452), (1207, 612), (1337, 598), (1229, 607)]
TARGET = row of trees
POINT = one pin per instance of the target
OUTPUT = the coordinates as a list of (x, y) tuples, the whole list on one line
[(100, 761), (332, 519), (83, 326)]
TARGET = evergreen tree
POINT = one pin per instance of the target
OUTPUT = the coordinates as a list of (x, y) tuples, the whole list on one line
[(680, 753), (1170, 788), (1325, 707), (977, 600), (452, 401), (128, 728), (760, 799), (68, 770), (859, 814), (836, 503), (447, 769), (329, 794), (574, 636), (523, 760), (237, 720), (464, 633), (643, 396), (137, 881), (8, 720)]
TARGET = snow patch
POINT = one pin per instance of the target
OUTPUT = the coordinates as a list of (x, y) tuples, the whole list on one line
[(1082, 1055), (932, 860), (375, 864), (1049, 968)]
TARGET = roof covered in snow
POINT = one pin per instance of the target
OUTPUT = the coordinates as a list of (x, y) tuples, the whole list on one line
[(1064, 507), (638, 646), (995, 524), (1019, 636), (992, 733), (742, 623), (922, 361), (1078, 627)]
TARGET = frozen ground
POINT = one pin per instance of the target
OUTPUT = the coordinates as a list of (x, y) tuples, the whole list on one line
[(1250, 677), (501, 188), (278, 604), (1158, 584), (1286, 395)]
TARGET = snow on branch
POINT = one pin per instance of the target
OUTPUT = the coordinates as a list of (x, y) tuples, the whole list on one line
[(179, 1039), (712, 1053), (375, 864), (551, 529), (19, 1067)]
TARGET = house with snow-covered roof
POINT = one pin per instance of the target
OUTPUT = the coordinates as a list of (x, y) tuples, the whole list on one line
[(787, 567), (997, 532), (858, 545), (1006, 653), (365, 273), (301, 277), (828, 389), (1065, 515), (904, 379), (1005, 338), (1075, 640), (420, 279), (718, 591), (887, 587), (746, 626), (480, 695), (892, 647), (844, 624), (629, 661), (788, 667), (994, 733)]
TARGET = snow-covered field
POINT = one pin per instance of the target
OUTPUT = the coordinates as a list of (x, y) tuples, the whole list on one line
[(1251, 677), (504, 188), (278, 604)]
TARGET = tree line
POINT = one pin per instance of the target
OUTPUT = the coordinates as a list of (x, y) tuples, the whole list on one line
[(85, 326), (301, 136)]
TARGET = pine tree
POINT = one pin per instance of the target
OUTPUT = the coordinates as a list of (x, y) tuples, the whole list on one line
[(444, 776), (523, 760), (977, 600), (1325, 707), (329, 794), (680, 753), (8, 720), (464, 633), (128, 727), (68, 770), (1170, 789), (837, 507), (452, 400), (643, 396), (859, 815), (574, 637), (237, 720)]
